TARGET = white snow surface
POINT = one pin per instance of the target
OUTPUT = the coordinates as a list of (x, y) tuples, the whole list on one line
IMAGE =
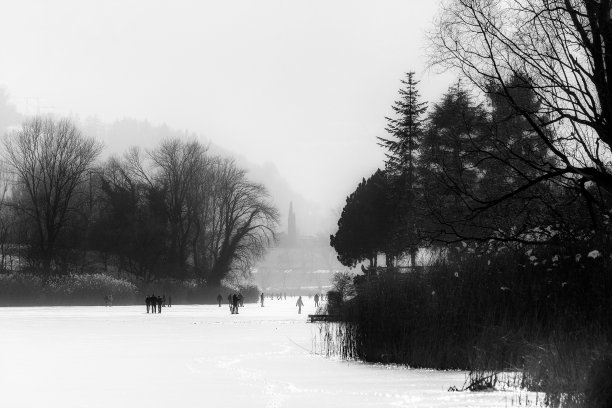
[(200, 356)]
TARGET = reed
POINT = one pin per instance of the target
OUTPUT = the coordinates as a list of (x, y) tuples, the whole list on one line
[(510, 323)]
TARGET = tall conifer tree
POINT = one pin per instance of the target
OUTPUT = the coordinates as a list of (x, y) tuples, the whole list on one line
[(405, 137)]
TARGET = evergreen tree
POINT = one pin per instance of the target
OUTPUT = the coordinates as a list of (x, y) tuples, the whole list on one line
[(406, 135), (365, 223), (448, 163)]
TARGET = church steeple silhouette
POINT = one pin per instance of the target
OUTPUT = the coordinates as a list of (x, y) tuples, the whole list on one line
[(291, 232)]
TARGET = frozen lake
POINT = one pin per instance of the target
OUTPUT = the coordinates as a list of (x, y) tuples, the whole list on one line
[(199, 356)]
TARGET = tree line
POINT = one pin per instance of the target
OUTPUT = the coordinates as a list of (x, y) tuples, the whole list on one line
[(175, 211), (517, 153)]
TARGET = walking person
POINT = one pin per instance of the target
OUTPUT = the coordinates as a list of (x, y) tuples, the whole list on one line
[(219, 299), (316, 299), (159, 304), (299, 304), (153, 303), (234, 304), (262, 299), (148, 303)]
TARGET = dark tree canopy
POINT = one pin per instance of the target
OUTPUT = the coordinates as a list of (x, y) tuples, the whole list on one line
[(364, 228)]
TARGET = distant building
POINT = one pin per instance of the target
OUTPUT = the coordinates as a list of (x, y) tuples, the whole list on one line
[(298, 264), (291, 230)]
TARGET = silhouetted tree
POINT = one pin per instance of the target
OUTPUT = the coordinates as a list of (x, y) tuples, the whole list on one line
[(448, 163), (132, 224), (179, 170), (241, 222), (180, 213), (51, 160), (406, 134), (560, 50), (365, 227)]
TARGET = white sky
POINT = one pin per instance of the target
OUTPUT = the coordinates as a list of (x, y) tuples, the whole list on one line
[(301, 84)]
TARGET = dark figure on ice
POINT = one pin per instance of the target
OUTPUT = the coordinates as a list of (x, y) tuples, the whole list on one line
[(262, 299), (299, 304), (234, 304), (160, 301), (148, 303), (316, 299), (153, 303), (219, 299)]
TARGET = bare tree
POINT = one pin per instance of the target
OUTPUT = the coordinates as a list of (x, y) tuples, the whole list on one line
[(179, 171), (562, 51), (50, 159), (7, 216), (558, 54), (216, 220), (241, 221)]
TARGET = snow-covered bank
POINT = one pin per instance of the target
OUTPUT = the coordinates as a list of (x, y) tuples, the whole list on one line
[(197, 356)]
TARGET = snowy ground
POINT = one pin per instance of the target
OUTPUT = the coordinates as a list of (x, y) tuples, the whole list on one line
[(199, 356)]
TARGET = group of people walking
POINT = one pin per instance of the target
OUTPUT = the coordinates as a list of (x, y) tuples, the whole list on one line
[(234, 301), (155, 303)]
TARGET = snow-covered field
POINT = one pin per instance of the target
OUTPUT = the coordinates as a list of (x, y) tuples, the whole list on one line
[(199, 356)]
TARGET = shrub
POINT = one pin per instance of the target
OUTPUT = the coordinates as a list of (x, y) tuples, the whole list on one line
[(19, 289)]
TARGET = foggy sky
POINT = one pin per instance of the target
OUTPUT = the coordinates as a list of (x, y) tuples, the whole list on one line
[(303, 85)]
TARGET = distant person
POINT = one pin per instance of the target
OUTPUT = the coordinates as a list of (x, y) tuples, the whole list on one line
[(164, 300), (262, 299), (234, 304), (153, 303), (316, 299), (160, 302), (299, 304), (219, 299), (148, 303)]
